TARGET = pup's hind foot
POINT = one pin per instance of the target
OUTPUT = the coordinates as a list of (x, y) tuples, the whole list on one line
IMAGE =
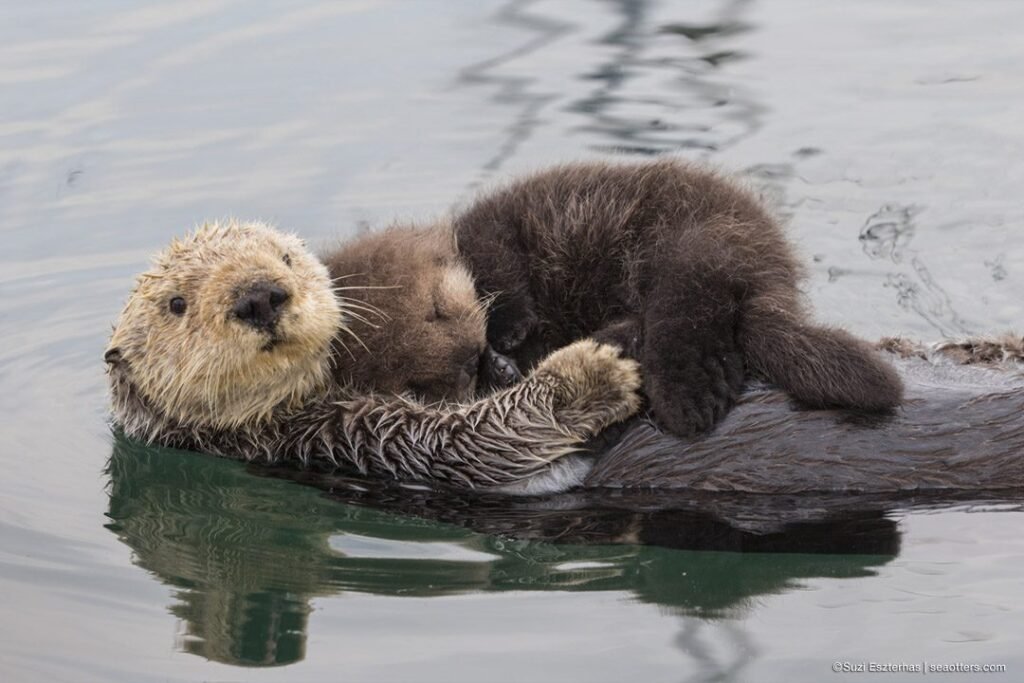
[(691, 398)]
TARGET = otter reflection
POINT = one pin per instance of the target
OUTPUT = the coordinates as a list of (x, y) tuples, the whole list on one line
[(247, 554)]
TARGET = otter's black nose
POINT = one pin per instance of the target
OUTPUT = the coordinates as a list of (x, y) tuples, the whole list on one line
[(260, 306)]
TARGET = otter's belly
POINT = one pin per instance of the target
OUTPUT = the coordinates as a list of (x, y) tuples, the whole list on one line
[(962, 427)]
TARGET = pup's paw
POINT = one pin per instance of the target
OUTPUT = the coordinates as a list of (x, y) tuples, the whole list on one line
[(691, 399), (509, 325), (594, 385), (497, 371)]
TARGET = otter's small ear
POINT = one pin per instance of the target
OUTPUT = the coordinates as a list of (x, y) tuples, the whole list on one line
[(112, 356)]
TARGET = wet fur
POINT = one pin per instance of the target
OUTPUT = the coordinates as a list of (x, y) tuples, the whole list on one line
[(961, 428), (499, 442), (682, 268), (1005, 349), (205, 381)]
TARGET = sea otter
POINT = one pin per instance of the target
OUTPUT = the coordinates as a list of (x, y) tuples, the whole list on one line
[(225, 346), (681, 267)]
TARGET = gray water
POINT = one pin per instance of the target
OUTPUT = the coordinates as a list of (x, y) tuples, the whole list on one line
[(887, 133)]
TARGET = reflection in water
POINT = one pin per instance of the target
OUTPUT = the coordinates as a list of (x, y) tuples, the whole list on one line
[(512, 90), (656, 88), (247, 554), (651, 102), (243, 564)]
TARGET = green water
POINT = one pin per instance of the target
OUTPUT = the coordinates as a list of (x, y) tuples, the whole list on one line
[(888, 134), (247, 557)]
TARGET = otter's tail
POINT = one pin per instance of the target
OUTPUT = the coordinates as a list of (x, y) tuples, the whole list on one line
[(821, 367)]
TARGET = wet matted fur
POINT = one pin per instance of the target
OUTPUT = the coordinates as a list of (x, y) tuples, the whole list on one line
[(961, 428), (679, 266), (226, 346)]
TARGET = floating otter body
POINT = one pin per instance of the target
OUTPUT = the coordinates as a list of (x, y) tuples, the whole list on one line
[(684, 270), (225, 346), (961, 428)]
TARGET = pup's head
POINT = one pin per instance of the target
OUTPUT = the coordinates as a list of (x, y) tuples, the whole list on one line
[(230, 322), (423, 329)]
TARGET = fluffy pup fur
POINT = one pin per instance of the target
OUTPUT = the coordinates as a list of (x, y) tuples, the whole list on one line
[(226, 345), (682, 268), (416, 323)]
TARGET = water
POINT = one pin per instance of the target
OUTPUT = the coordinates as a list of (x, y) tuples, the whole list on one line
[(887, 133)]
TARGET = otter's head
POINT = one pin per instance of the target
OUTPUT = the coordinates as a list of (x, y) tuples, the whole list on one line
[(416, 323), (229, 323)]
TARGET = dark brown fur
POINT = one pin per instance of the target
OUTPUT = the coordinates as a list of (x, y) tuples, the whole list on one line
[(682, 268)]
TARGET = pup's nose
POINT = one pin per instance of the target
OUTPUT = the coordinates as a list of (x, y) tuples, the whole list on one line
[(260, 306)]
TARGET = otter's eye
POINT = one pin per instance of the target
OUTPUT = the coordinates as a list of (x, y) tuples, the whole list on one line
[(287, 260), (177, 306)]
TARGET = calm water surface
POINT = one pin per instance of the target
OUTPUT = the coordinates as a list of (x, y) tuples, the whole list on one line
[(888, 133)]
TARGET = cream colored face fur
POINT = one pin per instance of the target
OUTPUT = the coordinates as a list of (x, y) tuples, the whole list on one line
[(205, 366)]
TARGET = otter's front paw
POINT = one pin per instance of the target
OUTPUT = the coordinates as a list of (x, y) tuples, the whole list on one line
[(593, 384)]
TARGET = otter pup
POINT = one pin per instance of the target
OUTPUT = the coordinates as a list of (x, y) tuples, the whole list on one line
[(225, 346), (415, 311), (682, 268)]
